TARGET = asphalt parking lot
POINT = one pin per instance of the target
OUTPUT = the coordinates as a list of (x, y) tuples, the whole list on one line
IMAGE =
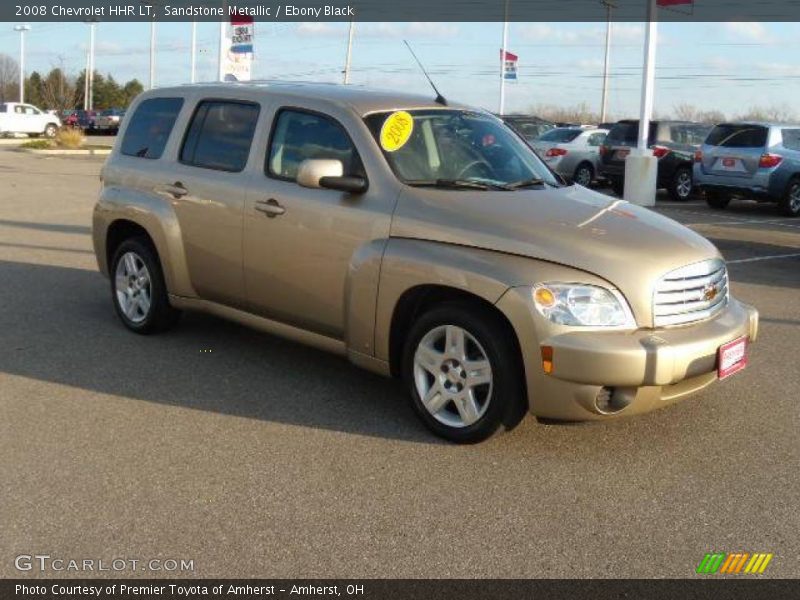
[(256, 457)]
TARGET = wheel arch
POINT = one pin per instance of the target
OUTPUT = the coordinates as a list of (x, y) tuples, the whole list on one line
[(121, 213), (417, 300)]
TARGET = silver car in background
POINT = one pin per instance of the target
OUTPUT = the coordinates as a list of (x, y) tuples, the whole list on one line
[(572, 152), (759, 161)]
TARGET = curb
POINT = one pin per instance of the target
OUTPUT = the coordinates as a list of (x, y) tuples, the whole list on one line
[(65, 152)]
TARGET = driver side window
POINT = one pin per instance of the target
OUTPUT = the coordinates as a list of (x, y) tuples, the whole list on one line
[(298, 135)]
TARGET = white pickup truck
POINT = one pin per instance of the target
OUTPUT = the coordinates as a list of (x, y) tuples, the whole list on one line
[(26, 118)]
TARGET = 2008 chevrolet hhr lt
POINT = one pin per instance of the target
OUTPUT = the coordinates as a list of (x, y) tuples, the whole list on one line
[(422, 240)]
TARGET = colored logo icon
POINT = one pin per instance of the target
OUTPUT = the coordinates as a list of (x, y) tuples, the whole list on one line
[(734, 563)]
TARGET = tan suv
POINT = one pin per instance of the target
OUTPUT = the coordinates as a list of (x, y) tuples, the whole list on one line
[(421, 240)]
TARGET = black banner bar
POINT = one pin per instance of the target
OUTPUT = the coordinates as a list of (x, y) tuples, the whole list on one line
[(716, 588), (396, 10)]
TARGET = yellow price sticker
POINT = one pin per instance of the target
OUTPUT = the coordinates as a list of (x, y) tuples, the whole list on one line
[(396, 130)]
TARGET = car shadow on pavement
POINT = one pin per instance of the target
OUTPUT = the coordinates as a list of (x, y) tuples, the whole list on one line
[(58, 325)]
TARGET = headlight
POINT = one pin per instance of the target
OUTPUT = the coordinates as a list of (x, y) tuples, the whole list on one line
[(582, 305)]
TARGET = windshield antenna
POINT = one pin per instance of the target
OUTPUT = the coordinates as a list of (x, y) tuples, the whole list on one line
[(439, 98)]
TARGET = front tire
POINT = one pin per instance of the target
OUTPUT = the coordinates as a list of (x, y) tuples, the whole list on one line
[(138, 290), (790, 204), (462, 367), (681, 186), (717, 200)]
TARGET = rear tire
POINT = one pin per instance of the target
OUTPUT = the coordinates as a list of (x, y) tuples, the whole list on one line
[(717, 200), (463, 370), (617, 186), (50, 130), (790, 203), (583, 175), (681, 186), (138, 290)]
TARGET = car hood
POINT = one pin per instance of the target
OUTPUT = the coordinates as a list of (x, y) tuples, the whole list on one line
[(629, 246)]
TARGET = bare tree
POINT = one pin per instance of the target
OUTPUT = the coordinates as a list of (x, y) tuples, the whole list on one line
[(685, 112), (779, 114), (59, 91), (9, 78), (579, 113)]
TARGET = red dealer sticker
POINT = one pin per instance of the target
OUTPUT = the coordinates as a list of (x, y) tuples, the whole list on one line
[(732, 357)]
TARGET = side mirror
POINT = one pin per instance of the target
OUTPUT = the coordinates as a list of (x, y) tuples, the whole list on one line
[(329, 174)]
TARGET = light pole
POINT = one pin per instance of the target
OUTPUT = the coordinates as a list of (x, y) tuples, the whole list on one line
[(22, 29), (193, 75), (349, 54), (503, 51), (88, 80), (606, 62)]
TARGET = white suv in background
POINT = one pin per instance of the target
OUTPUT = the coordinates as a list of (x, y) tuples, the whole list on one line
[(26, 118)]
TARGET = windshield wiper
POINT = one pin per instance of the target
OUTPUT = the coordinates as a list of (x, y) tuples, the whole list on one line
[(466, 184), (525, 183)]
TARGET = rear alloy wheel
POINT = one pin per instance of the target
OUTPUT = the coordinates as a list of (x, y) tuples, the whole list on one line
[(138, 289), (681, 186), (584, 175), (462, 369), (718, 200), (50, 131), (790, 205)]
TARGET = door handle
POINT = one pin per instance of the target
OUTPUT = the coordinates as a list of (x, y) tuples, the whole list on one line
[(270, 207), (176, 190)]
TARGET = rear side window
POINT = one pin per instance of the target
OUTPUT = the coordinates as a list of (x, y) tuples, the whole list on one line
[(220, 135), (150, 126), (738, 136), (299, 136), (689, 133), (561, 136), (596, 139), (627, 133), (3, 108), (791, 138)]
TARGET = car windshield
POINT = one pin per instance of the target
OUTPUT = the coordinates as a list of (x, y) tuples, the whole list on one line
[(456, 149)]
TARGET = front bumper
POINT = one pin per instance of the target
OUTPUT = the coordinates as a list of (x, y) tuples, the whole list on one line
[(640, 370)]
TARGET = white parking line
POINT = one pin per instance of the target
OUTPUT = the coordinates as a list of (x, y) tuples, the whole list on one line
[(758, 258)]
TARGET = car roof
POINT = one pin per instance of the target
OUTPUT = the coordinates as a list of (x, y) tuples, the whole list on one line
[(761, 123), (362, 99)]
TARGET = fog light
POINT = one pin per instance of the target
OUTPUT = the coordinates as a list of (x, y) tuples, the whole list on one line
[(610, 400), (602, 401), (547, 359)]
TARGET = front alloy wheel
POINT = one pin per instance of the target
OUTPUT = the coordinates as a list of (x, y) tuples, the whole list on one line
[(453, 376), (463, 368)]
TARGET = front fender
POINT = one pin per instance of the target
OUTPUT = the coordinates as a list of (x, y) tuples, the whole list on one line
[(409, 263), (155, 215)]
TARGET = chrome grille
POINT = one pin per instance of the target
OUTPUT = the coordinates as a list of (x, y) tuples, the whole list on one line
[(691, 293)]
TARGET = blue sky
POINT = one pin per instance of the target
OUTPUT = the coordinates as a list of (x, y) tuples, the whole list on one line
[(724, 66)]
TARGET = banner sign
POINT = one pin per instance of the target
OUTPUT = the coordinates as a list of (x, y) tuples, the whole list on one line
[(242, 37), (238, 59), (509, 65)]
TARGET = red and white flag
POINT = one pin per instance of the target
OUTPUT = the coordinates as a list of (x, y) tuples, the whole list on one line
[(509, 65)]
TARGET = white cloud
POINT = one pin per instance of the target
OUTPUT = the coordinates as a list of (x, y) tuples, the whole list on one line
[(751, 31)]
